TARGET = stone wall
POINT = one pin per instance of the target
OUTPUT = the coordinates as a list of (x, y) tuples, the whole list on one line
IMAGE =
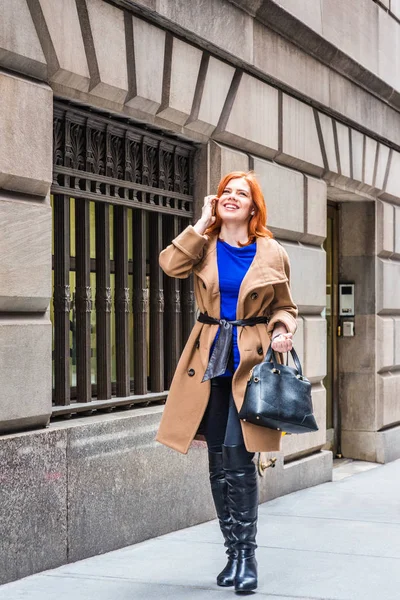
[(359, 43), (388, 329), (25, 247), (151, 83)]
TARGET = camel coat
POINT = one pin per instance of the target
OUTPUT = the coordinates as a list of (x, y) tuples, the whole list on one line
[(264, 291)]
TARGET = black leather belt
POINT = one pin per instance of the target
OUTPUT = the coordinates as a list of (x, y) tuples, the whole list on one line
[(219, 358)]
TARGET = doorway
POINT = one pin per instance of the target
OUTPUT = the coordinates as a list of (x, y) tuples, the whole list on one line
[(331, 247)]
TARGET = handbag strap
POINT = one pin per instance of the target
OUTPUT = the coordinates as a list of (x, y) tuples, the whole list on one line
[(271, 357)]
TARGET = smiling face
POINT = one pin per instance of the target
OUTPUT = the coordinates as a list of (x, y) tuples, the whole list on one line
[(235, 204)]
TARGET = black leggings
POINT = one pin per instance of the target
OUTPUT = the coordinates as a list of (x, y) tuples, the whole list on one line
[(221, 424)]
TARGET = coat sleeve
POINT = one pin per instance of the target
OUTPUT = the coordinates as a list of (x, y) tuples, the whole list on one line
[(283, 309), (185, 251)]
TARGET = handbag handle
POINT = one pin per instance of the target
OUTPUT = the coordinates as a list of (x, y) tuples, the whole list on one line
[(271, 357)]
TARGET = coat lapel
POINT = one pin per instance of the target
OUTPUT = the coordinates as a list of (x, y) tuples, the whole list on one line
[(207, 271), (266, 269)]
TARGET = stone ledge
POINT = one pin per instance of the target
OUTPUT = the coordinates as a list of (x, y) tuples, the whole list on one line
[(375, 446), (300, 474)]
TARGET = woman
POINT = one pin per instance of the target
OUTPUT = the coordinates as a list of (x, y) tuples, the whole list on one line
[(241, 275)]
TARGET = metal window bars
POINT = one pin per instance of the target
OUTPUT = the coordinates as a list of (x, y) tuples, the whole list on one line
[(119, 195)]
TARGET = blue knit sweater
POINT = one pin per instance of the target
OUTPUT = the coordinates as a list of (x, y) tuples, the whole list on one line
[(233, 264)]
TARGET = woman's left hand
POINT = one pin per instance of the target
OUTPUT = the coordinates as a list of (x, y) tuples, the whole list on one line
[(283, 342)]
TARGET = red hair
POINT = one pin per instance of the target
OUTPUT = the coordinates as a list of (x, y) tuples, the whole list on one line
[(257, 224)]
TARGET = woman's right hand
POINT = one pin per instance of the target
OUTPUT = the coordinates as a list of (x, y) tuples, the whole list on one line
[(207, 218)]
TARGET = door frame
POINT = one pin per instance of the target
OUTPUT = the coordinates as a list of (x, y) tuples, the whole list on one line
[(334, 443)]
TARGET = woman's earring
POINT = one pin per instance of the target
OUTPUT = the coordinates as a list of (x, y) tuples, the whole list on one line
[(252, 212)]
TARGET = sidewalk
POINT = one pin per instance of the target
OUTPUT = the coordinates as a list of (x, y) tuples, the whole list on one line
[(340, 540)]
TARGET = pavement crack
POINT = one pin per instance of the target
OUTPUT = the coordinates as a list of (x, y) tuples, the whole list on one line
[(330, 518)]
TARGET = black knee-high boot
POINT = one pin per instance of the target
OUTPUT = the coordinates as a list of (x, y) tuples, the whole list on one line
[(242, 494), (218, 488)]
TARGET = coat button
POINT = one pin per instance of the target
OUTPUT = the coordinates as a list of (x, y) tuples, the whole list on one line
[(260, 350), (204, 285), (254, 296), (191, 372)]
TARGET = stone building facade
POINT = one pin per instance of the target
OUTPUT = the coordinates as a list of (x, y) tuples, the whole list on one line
[(306, 93)]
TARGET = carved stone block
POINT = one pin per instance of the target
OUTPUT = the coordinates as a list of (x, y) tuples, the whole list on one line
[(25, 268), (20, 48), (25, 159), (25, 374), (252, 122), (70, 65)]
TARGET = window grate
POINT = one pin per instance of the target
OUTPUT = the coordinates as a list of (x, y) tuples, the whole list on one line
[(119, 195)]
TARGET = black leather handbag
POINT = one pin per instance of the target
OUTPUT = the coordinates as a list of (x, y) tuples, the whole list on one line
[(279, 397)]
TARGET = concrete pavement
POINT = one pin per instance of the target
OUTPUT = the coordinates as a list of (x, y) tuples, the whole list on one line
[(337, 541)]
